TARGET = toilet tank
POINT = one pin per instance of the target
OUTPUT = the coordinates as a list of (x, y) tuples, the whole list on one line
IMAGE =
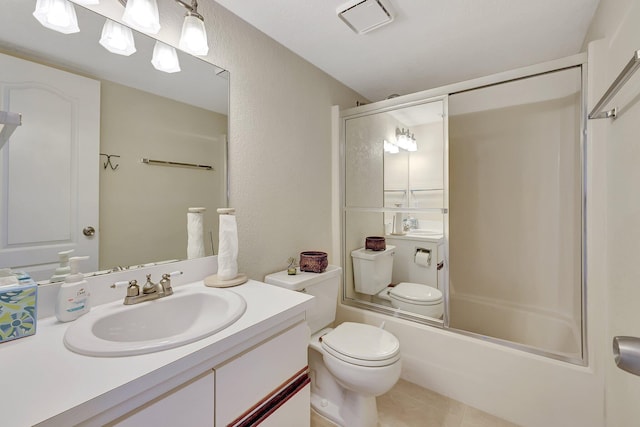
[(323, 286), (372, 269)]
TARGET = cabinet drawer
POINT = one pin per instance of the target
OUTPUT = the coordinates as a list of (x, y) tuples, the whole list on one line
[(190, 404), (248, 379)]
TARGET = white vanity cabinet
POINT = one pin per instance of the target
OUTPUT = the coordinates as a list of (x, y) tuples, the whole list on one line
[(255, 369), (267, 383)]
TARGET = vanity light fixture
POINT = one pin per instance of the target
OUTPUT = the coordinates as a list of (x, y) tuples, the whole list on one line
[(406, 140), (142, 15), (8, 123), (57, 15), (117, 38), (193, 39), (165, 58)]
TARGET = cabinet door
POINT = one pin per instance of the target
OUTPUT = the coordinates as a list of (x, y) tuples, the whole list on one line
[(294, 413), (251, 378), (190, 404)]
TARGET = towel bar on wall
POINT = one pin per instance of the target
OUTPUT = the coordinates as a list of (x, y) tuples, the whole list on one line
[(622, 78), (169, 163)]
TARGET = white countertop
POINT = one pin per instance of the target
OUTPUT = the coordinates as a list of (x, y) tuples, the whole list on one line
[(44, 382), (432, 238)]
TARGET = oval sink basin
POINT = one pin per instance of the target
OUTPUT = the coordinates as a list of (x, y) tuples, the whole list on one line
[(188, 315), (425, 233)]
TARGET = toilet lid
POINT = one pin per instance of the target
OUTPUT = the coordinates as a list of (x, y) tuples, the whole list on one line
[(414, 293), (357, 342)]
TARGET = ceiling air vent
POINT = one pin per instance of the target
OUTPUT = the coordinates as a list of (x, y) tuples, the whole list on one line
[(363, 16)]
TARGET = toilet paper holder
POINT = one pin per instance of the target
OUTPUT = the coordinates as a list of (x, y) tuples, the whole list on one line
[(422, 250)]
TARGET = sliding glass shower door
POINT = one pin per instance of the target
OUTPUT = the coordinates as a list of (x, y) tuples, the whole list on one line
[(516, 217)]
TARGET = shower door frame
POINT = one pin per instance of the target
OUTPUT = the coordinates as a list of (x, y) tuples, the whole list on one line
[(442, 93)]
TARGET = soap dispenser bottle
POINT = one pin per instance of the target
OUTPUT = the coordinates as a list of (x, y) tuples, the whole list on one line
[(73, 297), (63, 269)]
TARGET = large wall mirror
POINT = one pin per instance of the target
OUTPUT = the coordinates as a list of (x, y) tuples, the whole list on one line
[(479, 195), (89, 117)]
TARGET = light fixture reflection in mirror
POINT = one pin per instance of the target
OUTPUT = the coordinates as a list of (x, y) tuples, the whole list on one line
[(165, 58), (406, 140), (57, 15), (117, 38), (390, 148)]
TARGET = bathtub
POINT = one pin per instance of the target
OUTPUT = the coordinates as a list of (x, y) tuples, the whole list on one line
[(539, 330)]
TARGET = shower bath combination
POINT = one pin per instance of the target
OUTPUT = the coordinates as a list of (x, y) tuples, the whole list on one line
[(498, 185)]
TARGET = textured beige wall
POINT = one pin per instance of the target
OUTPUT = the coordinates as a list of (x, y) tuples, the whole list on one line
[(143, 208), (280, 147)]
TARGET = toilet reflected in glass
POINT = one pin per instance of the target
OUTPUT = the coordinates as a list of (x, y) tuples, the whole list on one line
[(372, 271)]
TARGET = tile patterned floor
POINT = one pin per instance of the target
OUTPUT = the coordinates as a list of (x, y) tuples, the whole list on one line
[(408, 405)]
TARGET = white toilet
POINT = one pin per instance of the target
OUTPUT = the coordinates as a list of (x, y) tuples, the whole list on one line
[(349, 365), (372, 271)]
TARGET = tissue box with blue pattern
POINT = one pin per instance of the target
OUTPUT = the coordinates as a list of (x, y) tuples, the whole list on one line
[(18, 309)]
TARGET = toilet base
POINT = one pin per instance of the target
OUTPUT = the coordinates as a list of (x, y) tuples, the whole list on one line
[(327, 409), (356, 410), (334, 402)]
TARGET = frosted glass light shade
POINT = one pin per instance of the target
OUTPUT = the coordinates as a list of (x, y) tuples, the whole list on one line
[(57, 15), (142, 15), (193, 39), (165, 58), (88, 2), (390, 148), (117, 38)]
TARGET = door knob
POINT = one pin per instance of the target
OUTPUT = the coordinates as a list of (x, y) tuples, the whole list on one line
[(89, 231), (626, 352)]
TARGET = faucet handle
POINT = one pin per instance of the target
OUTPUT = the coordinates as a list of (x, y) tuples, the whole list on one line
[(133, 290), (166, 281), (120, 284), (172, 274)]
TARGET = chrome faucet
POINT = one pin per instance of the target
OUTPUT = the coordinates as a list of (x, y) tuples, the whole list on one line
[(149, 291), (409, 223)]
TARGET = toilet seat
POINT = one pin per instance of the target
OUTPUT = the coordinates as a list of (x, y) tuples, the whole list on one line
[(361, 344), (414, 293)]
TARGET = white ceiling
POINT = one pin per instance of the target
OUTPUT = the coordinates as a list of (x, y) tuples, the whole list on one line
[(430, 43)]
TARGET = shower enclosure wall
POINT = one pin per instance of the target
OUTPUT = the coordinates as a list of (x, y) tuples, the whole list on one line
[(494, 185)]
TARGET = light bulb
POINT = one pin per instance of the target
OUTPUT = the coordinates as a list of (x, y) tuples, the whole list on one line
[(117, 38), (57, 15), (194, 36), (165, 58), (142, 15)]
